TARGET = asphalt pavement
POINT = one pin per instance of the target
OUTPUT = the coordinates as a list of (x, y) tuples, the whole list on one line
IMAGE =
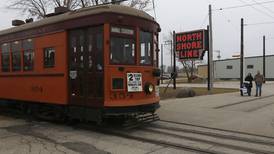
[(225, 111), (228, 111)]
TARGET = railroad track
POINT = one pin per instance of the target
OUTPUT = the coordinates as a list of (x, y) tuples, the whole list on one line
[(228, 140), (158, 142), (242, 102), (193, 138), (216, 129), (198, 139)]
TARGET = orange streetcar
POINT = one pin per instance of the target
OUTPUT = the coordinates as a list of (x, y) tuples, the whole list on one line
[(89, 64)]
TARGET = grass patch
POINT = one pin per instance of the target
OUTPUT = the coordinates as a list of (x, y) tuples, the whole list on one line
[(171, 93)]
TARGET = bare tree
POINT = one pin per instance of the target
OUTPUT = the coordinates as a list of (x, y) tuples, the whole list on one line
[(140, 4), (189, 68), (40, 8), (36, 8)]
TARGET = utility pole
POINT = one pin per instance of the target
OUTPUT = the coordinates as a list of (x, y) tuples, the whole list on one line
[(174, 61), (208, 68), (171, 53), (162, 63), (242, 55), (210, 52), (264, 56)]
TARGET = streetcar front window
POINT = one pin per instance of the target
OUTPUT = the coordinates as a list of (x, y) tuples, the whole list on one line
[(122, 50), (146, 48)]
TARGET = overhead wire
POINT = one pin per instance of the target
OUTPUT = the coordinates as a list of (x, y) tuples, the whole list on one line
[(258, 10), (245, 5), (269, 10), (260, 23), (204, 20)]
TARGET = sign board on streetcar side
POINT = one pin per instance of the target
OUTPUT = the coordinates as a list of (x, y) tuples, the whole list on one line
[(134, 82)]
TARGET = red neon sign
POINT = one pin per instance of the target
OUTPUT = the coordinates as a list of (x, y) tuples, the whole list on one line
[(190, 45)]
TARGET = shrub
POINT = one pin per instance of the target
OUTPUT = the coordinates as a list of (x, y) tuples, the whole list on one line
[(186, 92)]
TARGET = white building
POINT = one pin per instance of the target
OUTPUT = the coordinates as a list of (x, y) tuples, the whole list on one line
[(230, 68)]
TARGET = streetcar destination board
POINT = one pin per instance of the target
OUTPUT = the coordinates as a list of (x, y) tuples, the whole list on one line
[(134, 82), (191, 45)]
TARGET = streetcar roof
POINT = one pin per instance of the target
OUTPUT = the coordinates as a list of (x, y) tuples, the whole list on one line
[(93, 10)]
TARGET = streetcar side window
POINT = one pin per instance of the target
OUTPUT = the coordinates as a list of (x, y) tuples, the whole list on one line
[(122, 50), (155, 50), (146, 48), (16, 55), (49, 57), (28, 53), (5, 57)]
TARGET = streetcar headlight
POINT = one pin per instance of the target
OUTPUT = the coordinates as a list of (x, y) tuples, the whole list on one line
[(149, 88)]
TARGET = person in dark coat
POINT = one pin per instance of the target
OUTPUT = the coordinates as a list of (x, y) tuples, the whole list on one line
[(259, 80), (249, 78)]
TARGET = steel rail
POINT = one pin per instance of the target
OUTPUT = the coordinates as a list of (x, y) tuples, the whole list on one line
[(241, 102), (160, 142), (228, 146), (216, 135), (219, 129)]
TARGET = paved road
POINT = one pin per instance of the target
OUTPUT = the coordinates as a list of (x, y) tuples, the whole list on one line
[(226, 111), (18, 136)]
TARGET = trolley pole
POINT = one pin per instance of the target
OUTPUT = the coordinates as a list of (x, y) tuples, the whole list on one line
[(162, 63), (210, 52), (264, 57), (174, 61), (242, 55)]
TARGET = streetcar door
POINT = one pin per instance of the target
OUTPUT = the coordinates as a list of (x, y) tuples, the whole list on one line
[(86, 66), (77, 66), (95, 67)]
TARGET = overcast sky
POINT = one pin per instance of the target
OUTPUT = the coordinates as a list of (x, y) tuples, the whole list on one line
[(185, 15)]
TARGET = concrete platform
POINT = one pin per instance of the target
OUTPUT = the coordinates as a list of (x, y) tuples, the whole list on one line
[(226, 111)]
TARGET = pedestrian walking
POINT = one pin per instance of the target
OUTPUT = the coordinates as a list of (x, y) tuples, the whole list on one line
[(249, 86), (259, 79)]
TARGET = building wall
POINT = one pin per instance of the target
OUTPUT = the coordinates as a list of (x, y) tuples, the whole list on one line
[(202, 71), (230, 69), (270, 67)]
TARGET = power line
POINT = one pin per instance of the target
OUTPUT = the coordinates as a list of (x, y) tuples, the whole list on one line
[(204, 21), (258, 10), (260, 23), (241, 6), (263, 6)]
